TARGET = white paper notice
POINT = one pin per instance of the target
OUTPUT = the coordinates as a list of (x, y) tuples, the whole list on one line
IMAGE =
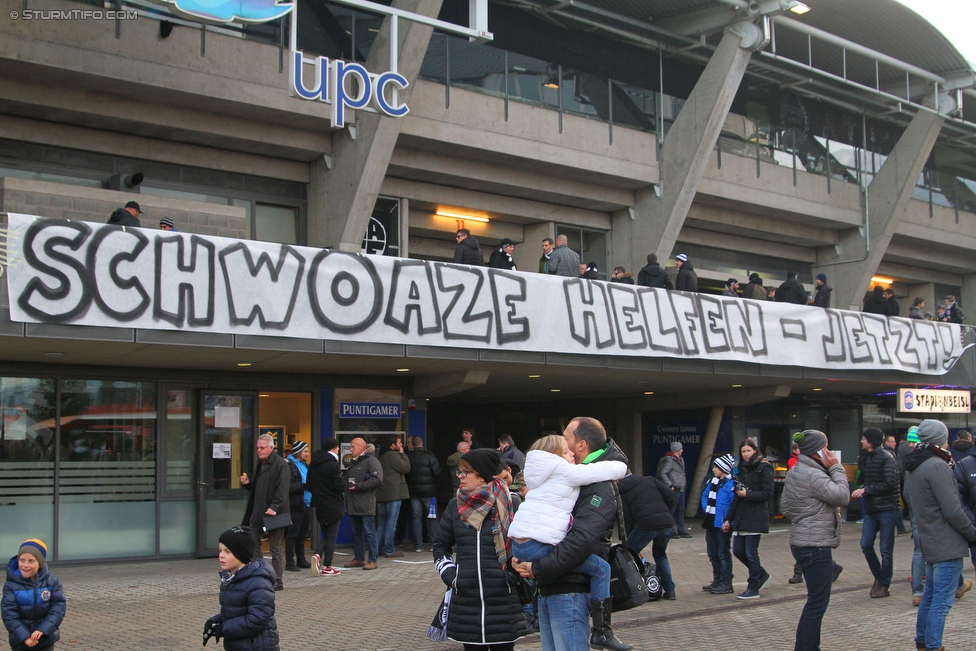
[(221, 450), (229, 417), (14, 425)]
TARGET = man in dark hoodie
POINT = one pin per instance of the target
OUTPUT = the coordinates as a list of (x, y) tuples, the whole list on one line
[(730, 286), (962, 446), (882, 508), (652, 275), (894, 305), (945, 534), (327, 487), (501, 258), (755, 289), (467, 251), (876, 303), (791, 291), (687, 279), (127, 216), (822, 296), (621, 275)]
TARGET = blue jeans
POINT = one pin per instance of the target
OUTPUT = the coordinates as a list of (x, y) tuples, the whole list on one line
[(386, 526), (594, 567), (817, 565), (364, 526), (918, 563), (941, 581), (885, 523), (564, 622), (678, 512), (718, 545), (637, 539), (746, 549)]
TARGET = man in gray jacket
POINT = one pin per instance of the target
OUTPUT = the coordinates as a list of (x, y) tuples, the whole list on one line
[(563, 261), (391, 494), (363, 478), (815, 489), (671, 471), (268, 497), (944, 531)]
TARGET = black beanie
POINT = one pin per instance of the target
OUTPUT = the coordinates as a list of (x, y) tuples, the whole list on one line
[(240, 543), (874, 436), (484, 461), (329, 444)]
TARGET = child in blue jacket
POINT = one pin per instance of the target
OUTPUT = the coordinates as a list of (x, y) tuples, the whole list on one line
[(247, 600), (33, 600), (715, 501)]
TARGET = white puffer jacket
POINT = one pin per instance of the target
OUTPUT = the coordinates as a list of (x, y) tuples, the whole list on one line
[(554, 485)]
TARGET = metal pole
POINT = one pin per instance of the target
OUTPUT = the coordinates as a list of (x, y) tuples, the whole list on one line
[(559, 96), (828, 165), (793, 133), (506, 85), (610, 107), (447, 71)]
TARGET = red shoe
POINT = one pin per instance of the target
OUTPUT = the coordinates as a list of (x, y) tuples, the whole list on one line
[(329, 571)]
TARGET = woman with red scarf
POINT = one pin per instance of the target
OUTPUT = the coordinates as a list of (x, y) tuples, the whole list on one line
[(472, 556)]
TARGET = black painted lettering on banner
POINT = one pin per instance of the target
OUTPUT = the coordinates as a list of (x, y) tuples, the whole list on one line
[(586, 303), (902, 344), (686, 309), (345, 291), (928, 336), (876, 336), (744, 323), (461, 322), (713, 324), (857, 345), (186, 281), (661, 321), (509, 290), (793, 329), (73, 286), (262, 290), (412, 294), (834, 348), (631, 328), (134, 299)]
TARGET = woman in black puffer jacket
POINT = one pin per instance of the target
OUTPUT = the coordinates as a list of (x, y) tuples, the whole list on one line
[(749, 513), (647, 516), (469, 553)]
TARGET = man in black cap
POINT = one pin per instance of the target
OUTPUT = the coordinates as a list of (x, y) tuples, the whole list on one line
[(754, 289), (791, 291), (127, 216), (501, 258), (687, 279), (822, 296), (731, 285), (882, 507), (327, 486)]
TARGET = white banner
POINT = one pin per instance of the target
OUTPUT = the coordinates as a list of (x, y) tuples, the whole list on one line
[(99, 275)]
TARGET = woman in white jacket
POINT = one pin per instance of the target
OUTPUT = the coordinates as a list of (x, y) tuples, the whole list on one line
[(545, 516)]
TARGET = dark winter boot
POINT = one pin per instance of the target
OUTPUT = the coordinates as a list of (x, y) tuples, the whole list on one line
[(797, 575), (602, 636), (716, 579), (724, 586)]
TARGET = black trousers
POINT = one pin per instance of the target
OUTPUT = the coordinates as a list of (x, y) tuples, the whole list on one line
[(327, 541), (295, 538)]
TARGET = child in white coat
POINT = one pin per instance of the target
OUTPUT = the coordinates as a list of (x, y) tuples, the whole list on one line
[(544, 518)]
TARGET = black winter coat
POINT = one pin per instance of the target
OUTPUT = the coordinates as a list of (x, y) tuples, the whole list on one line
[(247, 607), (687, 279), (296, 489), (422, 478), (122, 217), (875, 303), (880, 480), (965, 473), (751, 513), (593, 520), (822, 297), (325, 483), (269, 488), (468, 251), (647, 503), (500, 260), (32, 605), (791, 291), (485, 607), (653, 275)]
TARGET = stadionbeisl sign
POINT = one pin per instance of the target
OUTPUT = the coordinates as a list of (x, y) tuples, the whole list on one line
[(99, 275)]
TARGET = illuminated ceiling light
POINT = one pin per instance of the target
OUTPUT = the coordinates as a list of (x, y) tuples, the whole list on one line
[(554, 390), (648, 393), (799, 8), (459, 215), (736, 386), (54, 354), (402, 370), (534, 376), (243, 364), (264, 395), (881, 280), (818, 389)]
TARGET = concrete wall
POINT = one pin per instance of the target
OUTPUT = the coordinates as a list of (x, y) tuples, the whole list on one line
[(60, 201)]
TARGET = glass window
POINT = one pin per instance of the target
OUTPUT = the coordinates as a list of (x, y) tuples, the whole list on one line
[(228, 442), (181, 194), (248, 206), (53, 178), (26, 461), (590, 245), (108, 469), (276, 223), (181, 428), (383, 230)]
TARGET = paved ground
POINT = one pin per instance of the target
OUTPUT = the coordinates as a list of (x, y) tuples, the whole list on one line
[(164, 605)]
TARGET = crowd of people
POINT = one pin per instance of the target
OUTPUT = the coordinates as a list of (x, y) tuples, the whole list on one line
[(524, 543)]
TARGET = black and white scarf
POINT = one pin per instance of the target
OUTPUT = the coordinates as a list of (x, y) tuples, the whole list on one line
[(713, 495)]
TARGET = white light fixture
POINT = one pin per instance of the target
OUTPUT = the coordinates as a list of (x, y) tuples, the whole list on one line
[(535, 376), (54, 354), (818, 389), (402, 370), (264, 395), (648, 393), (736, 386), (459, 215), (799, 8), (243, 364), (881, 280), (554, 390)]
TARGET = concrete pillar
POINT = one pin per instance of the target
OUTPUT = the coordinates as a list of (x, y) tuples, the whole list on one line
[(927, 292), (341, 199), (851, 263), (968, 299), (527, 253), (659, 213), (404, 228), (704, 460)]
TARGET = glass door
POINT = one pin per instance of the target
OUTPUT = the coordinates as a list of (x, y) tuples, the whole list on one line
[(227, 444)]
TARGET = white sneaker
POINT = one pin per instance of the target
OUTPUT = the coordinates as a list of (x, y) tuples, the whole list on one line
[(316, 565)]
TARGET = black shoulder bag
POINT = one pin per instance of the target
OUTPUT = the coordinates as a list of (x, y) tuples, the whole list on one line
[(627, 586)]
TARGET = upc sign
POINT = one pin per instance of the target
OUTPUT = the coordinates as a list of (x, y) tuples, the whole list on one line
[(329, 85)]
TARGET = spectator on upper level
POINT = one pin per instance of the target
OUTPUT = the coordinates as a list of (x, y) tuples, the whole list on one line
[(916, 310), (687, 279), (876, 303), (652, 275), (953, 313), (621, 275), (822, 296), (754, 289), (791, 291), (126, 216), (894, 305)]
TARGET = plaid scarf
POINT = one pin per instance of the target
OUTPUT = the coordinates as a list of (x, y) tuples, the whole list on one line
[(475, 505)]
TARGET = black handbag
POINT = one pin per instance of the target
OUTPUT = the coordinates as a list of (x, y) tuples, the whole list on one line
[(627, 586), (652, 580), (280, 521)]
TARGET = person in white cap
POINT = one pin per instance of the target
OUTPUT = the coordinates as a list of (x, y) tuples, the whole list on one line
[(687, 279), (715, 501)]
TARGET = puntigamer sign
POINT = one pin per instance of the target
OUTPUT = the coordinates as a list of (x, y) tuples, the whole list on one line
[(78, 273), (934, 401)]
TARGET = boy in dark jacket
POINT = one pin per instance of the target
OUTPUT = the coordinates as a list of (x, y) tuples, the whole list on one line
[(33, 600), (247, 600)]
